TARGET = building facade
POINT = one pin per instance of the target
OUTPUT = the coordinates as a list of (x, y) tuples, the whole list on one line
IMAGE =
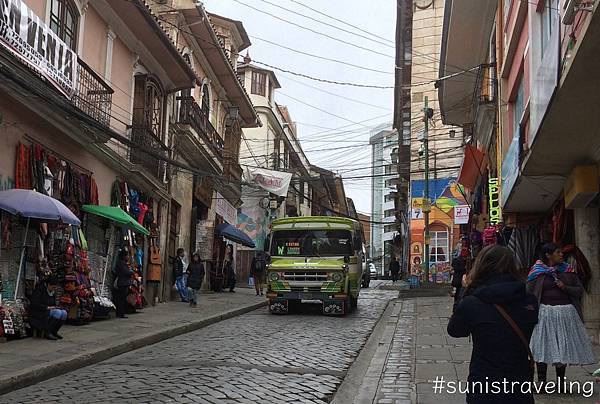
[(530, 107), (384, 161)]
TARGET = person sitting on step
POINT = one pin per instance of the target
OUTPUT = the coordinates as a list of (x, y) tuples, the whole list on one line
[(44, 314)]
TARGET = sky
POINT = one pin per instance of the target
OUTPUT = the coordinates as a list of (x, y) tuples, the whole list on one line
[(317, 107)]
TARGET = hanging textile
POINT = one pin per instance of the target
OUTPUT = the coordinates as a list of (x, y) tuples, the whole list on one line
[(523, 242), (22, 172), (575, 257)]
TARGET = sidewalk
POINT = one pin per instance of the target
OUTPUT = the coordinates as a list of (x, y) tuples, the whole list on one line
[(437, 354), (29, 361)]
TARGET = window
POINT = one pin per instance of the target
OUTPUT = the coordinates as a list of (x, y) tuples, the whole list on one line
[(64, 19), (205, 99), (518, 107), (301, 192), (389, 213), (154, 107), (438, 248), (389, 198), (259, 83), (322, 243), (390, 169), (389, 228)]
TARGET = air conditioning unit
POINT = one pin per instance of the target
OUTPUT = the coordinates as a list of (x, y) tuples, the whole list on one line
[(569, 10)]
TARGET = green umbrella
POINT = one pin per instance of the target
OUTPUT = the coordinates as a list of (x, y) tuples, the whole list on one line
[(117, 215)]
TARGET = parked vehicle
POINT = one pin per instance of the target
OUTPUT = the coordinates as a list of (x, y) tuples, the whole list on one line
[(315, 258), (372, 270)]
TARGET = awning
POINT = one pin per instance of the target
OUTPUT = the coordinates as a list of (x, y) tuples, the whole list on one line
[(237, 236), (472, 167), (117, 215)]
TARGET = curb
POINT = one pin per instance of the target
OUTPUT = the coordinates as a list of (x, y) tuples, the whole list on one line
[(44, 372)]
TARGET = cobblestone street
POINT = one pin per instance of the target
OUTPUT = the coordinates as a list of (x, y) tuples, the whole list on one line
[(256, 357)]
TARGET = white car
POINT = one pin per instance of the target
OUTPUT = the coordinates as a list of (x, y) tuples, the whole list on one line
[(372, 270)]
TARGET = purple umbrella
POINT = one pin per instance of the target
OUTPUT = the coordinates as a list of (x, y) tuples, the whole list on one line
[(33, 205)]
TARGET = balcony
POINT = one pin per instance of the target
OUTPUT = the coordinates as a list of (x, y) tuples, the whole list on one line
[(92, 96), (191, 114), (149, 151)]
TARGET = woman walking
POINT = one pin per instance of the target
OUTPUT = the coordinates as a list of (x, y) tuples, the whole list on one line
[(560, 338), (123, 273), (229, 268), (500, 316), (195, 278)]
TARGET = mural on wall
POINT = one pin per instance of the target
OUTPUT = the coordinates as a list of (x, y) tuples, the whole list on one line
[(445, 195), (253, 220)]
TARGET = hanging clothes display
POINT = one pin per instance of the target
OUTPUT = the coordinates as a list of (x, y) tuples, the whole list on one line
[(523, 242)]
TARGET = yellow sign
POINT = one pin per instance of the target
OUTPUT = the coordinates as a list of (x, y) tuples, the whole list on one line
[(494, 201)]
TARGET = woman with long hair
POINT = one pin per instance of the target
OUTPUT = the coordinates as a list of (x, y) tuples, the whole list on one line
[(560, 338), (500, 316)]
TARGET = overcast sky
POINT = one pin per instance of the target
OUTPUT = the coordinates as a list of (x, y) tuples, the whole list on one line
[(346, 153)]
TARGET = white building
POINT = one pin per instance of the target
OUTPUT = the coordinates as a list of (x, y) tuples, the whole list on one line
[(384, 143)]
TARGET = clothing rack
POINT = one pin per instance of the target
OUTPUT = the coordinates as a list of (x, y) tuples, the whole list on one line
[(34, 141)]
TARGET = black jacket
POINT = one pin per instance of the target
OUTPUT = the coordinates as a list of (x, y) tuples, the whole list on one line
[(195, 275), (498, 353), (38, 306), (459, 268), (394, 266), (123, 274), (257, 267), (178, 267)]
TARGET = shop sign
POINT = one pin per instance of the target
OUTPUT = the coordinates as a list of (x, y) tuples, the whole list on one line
[(461, 214), (226, 210), (276, 182), (494, 201), (26, 36)]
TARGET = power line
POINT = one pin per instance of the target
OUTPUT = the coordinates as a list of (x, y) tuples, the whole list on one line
[(327, 24), (314, 31), (321, 57), (337, 95), (342, 21)]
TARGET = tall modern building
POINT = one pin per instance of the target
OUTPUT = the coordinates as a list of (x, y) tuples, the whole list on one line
[(384, 144)]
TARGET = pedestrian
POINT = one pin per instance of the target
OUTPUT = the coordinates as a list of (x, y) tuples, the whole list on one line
[(179, 274), (500, 315), (123, 281), (194, 279), (44, 314), (229, 268), (560, 338), (257, 271), (394, 268), (459, 269)]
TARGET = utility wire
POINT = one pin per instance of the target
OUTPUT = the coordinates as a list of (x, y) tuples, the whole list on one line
[(314, 31)]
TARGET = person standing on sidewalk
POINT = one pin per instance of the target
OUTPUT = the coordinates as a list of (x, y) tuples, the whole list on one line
[(560, 338), (229, 268), (179, 269), (257, 271), (459, 269), (195, 278), (394, 268), (123, 282), (500, 316)]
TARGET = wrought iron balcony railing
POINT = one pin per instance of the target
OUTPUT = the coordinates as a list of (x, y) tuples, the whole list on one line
[(148, 151), (93, 96), (191, 114)]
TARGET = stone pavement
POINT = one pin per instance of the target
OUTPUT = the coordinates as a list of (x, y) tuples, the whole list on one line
[(434, 353), (301, 357), (27, 361)]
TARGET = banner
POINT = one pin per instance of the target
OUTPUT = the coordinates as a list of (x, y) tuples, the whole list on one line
[(26, 36), (276, 182), (226, 210), (461, 214)]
